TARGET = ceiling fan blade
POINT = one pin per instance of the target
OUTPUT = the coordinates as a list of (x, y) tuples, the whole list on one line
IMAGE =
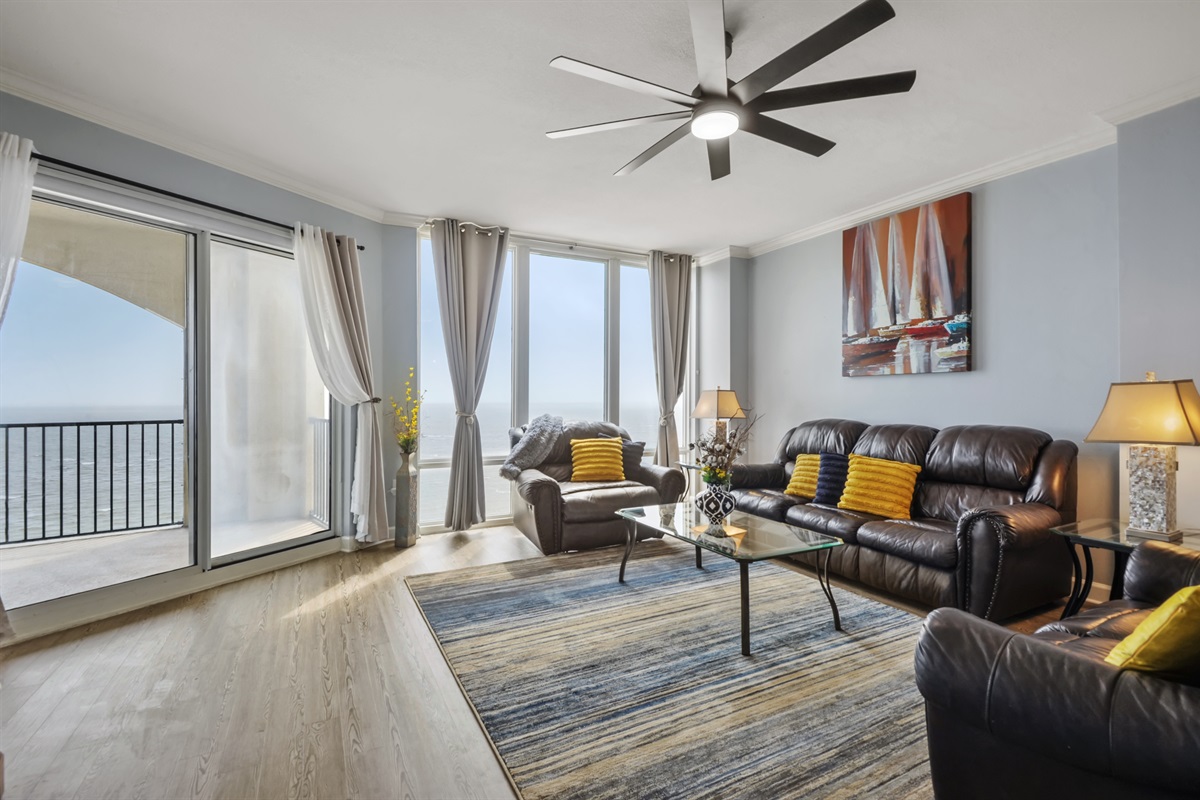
[(845, 29), (718, 158), (786, 135), (654, 149), (623, 81), (632, 122), (891, 83), (708, 36)]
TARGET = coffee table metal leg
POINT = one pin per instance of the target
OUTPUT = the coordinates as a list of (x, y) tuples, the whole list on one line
[(827, 588), (744, 567), (1088, 573), (699, 564), (630, 538), (1120, 560)]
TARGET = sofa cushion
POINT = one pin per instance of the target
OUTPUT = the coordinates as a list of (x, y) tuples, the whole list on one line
[(999, 456), (879, 486), (828, 520), (908, 443), (768, 503), (925, 541), (819, 436), (831, 478), (590, 501), (950, 501), (803, 482)]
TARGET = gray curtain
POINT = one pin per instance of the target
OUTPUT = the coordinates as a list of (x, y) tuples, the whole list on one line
[(468, 262), (670, 283)]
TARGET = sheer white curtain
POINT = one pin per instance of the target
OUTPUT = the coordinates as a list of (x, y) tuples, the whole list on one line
[(17, 168), (16, 192), (336, 319)]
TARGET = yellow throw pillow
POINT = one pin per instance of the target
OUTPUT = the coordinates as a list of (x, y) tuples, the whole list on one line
[(596, 460), (879, 486), (804, 476), (1167, 641)]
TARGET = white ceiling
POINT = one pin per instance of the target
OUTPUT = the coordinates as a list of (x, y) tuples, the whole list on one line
[(439, 108)]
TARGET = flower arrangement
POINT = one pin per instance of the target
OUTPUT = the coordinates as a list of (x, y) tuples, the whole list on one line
[(406, 417), (717, 453)]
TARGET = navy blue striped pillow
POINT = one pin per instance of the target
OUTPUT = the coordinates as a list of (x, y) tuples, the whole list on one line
[(831, 479)]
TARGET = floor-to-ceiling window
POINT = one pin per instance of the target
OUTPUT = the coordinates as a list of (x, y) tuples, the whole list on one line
[(572, 339)]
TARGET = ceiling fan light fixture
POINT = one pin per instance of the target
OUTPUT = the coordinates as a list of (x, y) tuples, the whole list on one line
[(715, 124)]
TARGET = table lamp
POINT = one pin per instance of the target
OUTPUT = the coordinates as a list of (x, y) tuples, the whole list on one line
[(719, 404), (1152, 417)]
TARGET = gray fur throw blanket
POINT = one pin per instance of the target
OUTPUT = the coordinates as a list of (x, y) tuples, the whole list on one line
[(539, 439)]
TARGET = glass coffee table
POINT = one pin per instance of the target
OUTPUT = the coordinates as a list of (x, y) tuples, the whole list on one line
[(750, 539)]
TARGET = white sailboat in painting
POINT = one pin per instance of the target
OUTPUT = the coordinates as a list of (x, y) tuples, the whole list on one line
[(867, 303), (932, 294), (898, 274)]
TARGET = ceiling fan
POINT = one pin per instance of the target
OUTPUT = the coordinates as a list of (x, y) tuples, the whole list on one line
[(718, 107)]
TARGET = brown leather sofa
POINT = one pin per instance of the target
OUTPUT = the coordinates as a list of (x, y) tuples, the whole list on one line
[(558, 514), (978, 538), (1042, 716)]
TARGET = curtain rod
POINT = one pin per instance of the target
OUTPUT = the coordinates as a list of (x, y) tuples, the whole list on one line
[(146, 187)]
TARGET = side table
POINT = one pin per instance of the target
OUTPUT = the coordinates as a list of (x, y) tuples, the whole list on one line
[(1106, 534)]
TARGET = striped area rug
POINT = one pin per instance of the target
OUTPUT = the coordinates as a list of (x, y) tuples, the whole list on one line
[(593, 689)]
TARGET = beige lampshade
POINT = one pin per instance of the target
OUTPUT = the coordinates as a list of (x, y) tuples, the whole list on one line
[(718, 404), (1149, 412)]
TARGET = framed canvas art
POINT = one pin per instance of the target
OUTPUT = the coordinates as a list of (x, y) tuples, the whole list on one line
[(906, 291)]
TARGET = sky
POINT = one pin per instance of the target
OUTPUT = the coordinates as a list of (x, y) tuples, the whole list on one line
[(68, 348)]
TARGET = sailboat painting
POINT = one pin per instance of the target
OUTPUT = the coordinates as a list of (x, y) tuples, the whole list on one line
[(906, 291)]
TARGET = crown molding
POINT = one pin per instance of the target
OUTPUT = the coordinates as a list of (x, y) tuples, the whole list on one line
[(1171, 96), (402, 219), (959, 183), (22, 86), (721, 254)]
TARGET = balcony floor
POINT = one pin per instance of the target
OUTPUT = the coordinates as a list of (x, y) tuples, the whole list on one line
[(39, 571)]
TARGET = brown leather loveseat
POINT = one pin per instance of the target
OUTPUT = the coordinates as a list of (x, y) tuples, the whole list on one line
[(1043, 716), (978, 538)]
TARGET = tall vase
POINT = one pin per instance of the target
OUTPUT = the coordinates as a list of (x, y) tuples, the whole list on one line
[(408, 492), (716, 503)]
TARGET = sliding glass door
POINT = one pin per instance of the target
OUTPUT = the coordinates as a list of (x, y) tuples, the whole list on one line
[(269, 421), (93, 406)]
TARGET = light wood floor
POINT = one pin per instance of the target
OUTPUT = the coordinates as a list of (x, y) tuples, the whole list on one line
[(320, 680), (316, 681)]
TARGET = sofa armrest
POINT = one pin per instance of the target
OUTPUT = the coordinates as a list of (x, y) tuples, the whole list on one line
[(1157, 570), (544, 497), (667, 481), (985, 536), (759, 476), (1060, 704)]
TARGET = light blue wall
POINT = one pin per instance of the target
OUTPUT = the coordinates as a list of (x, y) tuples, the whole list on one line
[(1159, 191), (389, 262), (1045, 299)]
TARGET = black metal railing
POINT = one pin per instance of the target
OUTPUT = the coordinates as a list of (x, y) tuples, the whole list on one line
[(64, 479), (320, 470)]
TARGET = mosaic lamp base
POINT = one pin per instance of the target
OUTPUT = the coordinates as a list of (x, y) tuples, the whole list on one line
[(1152, 492)]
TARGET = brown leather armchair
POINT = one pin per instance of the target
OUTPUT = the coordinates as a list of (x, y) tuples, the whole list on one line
[(1043, 716), (558, 514)]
